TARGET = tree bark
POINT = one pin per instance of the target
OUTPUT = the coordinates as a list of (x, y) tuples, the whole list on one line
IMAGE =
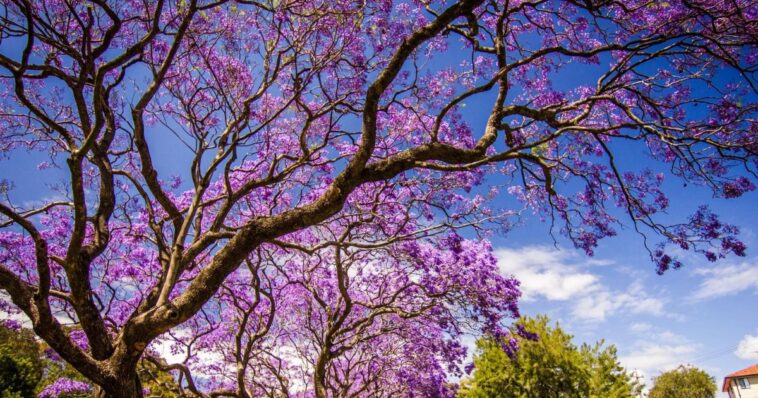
[(124, 386), (319, 377)]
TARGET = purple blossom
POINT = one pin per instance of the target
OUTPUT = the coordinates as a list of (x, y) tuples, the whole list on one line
[(11, 324), (63, 386)]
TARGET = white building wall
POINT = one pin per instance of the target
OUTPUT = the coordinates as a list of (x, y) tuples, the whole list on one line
[(738, 392)]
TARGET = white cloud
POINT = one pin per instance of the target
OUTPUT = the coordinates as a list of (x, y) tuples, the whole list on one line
[(641, 327), (560, 275), (651, 359), (748, 347), (654, 357), (726, 280), (600, 303), (543, 273), (657, 351)]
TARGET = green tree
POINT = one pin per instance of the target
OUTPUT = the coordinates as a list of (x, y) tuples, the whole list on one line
[(22, 342), (21, 367), (18, 375), (549, 367), (684, 382)]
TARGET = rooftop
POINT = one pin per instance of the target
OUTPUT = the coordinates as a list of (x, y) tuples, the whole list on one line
[(748, 371)]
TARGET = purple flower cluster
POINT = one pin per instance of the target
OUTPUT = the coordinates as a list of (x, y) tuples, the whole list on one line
[(65, 386)]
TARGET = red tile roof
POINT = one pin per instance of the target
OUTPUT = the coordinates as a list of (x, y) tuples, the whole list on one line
[(749, 371)]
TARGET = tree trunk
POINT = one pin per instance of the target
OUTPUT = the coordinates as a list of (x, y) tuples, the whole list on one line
[(319, 378), (320, 389), (127, 386)]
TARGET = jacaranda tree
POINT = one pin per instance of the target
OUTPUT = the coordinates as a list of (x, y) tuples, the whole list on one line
[(311, 244)]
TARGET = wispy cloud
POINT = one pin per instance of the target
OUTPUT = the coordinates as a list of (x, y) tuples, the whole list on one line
[(641, 327), (560, 275), (600, 303), (655, 357), (656, 351), (651, 359), (726, 280), (748, 347)]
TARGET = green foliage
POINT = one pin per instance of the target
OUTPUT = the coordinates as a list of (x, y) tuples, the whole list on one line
[(684, 382), (21, 343), (20, 364), (551, 367), (18, 375), (24, 371)]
